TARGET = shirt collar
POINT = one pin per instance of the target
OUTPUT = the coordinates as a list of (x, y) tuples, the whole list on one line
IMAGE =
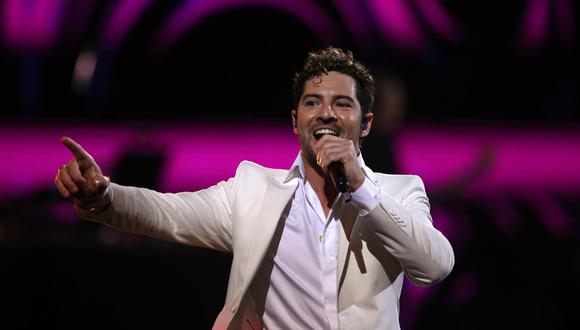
[(296, 170)]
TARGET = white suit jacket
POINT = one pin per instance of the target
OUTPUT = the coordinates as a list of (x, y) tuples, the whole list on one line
[(241, 214)]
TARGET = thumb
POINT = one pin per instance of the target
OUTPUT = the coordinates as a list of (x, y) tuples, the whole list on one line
[(101, 182), (97, 183)]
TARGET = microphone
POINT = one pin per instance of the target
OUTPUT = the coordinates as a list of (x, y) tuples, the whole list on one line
[(338, 177)]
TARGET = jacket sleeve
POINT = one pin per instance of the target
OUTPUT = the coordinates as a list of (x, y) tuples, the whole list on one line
[(407, 232), (202, 218)]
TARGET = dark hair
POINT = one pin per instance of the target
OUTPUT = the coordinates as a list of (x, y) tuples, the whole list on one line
[(336, 59)]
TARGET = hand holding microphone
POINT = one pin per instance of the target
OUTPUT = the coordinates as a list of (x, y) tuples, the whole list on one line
[(338, 177), (338, 157)]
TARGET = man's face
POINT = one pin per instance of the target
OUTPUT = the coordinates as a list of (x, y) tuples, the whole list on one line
[(328, 105)]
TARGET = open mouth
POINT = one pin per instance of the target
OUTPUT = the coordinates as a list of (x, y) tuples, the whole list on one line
[(323, 131)]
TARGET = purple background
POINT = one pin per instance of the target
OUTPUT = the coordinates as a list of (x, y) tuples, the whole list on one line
[(488, 116)]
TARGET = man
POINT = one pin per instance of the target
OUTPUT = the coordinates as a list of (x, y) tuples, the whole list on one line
[(305, 255)]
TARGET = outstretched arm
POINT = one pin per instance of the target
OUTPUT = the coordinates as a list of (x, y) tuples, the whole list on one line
[(201, 218)]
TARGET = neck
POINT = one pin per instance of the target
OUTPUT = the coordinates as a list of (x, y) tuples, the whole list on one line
[(321, 183)]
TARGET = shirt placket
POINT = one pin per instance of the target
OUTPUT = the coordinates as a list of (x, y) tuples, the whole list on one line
[(328, 239), (329, 266)]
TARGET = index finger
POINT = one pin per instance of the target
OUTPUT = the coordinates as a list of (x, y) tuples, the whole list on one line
[(75, 148)]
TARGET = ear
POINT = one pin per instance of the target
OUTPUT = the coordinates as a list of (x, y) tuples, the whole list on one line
[(294, 121), (368, 120)]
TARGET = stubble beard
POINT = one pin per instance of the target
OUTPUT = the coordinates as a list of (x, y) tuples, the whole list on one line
[(307, 149)]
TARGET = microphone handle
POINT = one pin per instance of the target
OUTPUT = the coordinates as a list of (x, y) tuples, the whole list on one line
[(336, 170)]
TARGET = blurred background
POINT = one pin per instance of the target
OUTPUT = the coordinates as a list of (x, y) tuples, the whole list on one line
[(478, 98)]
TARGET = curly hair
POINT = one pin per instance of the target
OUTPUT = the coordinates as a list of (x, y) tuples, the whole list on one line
[(336, 59)]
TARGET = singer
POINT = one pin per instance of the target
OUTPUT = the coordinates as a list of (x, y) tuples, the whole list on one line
[(323, 245)]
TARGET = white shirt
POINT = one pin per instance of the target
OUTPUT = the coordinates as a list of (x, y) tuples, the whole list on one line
[(299, 275)]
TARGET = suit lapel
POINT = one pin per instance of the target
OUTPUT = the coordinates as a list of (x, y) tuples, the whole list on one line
[(275, 200)]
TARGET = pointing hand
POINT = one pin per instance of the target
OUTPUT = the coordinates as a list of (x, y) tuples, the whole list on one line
[(81, 177)]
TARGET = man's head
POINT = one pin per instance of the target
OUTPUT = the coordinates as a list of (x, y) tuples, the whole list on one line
[(332, 92), (335, 59)]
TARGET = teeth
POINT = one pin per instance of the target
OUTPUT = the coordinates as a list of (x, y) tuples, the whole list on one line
[(323, 131)]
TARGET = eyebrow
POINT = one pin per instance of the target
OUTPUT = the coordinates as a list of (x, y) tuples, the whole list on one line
[(335, 97)]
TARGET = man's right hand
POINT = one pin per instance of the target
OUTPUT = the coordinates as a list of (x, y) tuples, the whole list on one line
[(80, 178)]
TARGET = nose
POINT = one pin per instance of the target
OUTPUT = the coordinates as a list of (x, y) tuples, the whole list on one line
[(327, 113)]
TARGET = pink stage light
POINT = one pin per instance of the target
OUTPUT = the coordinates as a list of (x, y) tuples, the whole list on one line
[(535, 23), (439, 19), (31, 24), (199, 155), (520, 158), (193, 11), (122, 17), (397, 22)]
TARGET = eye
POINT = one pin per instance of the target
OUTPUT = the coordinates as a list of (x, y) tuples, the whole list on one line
[(311, 102), (344, 104)]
